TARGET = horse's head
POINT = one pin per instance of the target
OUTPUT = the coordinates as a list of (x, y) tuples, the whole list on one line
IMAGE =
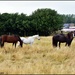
[(71, 35), (21, 42), (38, 37), (17, 37)]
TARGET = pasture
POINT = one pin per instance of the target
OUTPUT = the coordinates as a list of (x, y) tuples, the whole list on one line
[(40, 58)]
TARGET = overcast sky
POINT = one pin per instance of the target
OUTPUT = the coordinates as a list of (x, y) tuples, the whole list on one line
[(27, 7)]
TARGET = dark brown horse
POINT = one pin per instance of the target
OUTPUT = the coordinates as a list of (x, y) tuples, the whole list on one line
[(0, 41), (10, 39), (62, 38)]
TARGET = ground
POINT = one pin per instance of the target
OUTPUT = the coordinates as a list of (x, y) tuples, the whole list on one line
[(40, 58)]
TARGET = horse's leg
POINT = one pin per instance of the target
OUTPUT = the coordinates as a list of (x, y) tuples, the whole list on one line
[(69, 44), (56, 43), (2, 44), (21, 43), (15, 45), (66, 44), (59, 44)]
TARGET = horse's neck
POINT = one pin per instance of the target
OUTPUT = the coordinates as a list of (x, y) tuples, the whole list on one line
[(69, 36), (25, 40), (34, 37)]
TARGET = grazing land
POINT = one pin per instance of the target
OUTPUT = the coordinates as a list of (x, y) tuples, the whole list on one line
[(40, 58)]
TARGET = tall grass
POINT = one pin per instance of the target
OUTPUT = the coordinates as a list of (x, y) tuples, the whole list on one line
[(40, 58)]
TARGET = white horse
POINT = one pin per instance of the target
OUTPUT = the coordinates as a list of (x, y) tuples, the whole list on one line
[(29, 40)]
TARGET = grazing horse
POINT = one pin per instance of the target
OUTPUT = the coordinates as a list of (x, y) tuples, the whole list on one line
[(62, 38), (29, 40), (10, 39)]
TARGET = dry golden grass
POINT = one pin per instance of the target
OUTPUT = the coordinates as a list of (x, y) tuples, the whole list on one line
[(40, 58)]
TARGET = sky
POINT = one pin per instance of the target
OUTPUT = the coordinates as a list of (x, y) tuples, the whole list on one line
[(27, 7)]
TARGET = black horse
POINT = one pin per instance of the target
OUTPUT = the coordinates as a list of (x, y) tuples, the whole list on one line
[(62, 38)]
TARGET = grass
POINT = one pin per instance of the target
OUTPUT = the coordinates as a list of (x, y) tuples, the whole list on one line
[(40, 58)]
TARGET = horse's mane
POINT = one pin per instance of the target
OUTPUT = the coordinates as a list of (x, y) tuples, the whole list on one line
[(69, 34), (16, 35)]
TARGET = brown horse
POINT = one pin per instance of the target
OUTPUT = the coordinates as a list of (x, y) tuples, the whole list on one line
[(62, 38), (10, 39), (0, 41)]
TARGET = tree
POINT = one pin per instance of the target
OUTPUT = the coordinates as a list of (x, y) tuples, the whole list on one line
[(45, 21), (42, 22)]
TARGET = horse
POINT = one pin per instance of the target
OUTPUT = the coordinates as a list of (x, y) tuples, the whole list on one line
[(0, 41), (29, 40), (10, 39), (62, 38)]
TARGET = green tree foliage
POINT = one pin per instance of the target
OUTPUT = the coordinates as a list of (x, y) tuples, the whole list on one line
[(45, 21), (42, 21), (69, 18)]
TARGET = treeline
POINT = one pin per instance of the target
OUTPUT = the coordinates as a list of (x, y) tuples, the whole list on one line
[(69, 18), (42, 21)]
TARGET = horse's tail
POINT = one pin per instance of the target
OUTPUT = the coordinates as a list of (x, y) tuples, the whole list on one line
[(54, 42)]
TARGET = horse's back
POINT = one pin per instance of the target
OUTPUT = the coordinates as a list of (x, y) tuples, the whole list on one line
[(56, 37), (4, 37), (9, 38), (62, 38), (23, 39)]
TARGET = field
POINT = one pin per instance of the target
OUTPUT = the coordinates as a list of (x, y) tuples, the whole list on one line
[(40, 58)]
